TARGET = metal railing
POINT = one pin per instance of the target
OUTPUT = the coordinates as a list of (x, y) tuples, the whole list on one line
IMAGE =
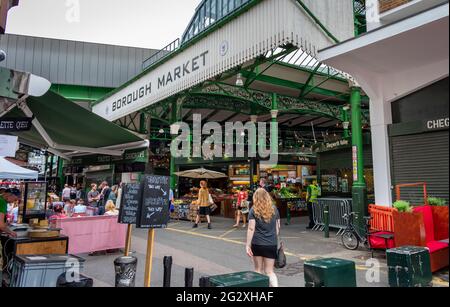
[(161, 54), (337, 208)]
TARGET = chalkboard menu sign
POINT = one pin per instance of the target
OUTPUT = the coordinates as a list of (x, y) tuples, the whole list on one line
[(155, 202), (130, 204)]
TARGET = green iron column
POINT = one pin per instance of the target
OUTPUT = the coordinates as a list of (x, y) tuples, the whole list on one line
[(174, 117), (61, 172), (359, 190), (274, 127), (253, 159)]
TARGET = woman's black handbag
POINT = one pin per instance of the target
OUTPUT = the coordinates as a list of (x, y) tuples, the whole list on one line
[(280, 262)]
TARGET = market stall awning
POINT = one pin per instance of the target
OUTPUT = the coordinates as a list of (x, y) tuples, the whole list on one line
[(63, 127), (11, 171)]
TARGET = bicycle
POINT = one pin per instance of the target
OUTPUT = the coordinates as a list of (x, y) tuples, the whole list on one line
[(351, 237)]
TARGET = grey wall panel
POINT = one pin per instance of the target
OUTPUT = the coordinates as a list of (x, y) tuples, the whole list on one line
[(116, 65), (86, 64), (76, 63), (123, 64), (46, 54), (62, 62), (78, 76), (101, 70), (109, 69), (70, 63), (37, 57), (20, 56), (131, 68), (29, 54), (93, 67), (11, 56), (54, 59)]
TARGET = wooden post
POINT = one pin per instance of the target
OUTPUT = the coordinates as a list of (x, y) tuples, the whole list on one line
[(128, 240), (149, 258)]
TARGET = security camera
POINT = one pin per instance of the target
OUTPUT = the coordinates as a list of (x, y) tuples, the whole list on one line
[(2, 55)]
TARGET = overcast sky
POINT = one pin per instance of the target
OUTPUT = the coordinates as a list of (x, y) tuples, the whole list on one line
[(138, 23)]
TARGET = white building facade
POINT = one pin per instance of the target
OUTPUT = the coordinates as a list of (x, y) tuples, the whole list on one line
[(402, 63)]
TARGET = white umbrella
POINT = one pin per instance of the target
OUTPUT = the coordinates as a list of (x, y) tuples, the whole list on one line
[(201, 173)]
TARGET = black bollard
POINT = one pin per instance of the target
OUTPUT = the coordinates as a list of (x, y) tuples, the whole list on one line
[(167, 271), (204, 282), (189, 278), (125, 271)]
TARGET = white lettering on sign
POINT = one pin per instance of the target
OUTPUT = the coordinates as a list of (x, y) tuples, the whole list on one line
[(438, 124)]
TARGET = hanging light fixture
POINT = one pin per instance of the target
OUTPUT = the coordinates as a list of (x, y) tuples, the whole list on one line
[(239, 81)]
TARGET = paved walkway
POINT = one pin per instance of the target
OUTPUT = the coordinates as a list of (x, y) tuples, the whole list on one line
[(222, 250)]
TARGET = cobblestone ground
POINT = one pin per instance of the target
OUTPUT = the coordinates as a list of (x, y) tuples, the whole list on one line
[(222, 250)]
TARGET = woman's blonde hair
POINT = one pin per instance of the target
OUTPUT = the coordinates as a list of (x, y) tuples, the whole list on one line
[(110, 206), (263, 205), (203, 184)]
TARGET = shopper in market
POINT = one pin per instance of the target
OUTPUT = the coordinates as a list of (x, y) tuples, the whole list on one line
[(93, 196), (242, 207), (104, 197), (80, 208), (262, 234), (110, 209), (66, 193), (59, 213), (7, 196), (113, 195), (204, 203), (312, 195)]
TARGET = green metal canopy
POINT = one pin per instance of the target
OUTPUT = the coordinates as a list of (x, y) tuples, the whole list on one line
[(67, 129)]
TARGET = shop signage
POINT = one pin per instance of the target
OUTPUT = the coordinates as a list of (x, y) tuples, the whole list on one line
[(15, 124), (130, 203), (344, 143), (8, 146), (438, 124), (221, 50), (154, 211), (128, 157)]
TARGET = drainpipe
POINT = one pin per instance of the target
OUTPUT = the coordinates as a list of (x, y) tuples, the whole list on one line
[(274, 126)]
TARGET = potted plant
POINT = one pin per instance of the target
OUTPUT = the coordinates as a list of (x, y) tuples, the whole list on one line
[(438, 202), (439, 207), (402, 206), (408, 225)]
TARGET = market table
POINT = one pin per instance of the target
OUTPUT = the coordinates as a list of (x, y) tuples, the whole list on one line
[(93, 233)]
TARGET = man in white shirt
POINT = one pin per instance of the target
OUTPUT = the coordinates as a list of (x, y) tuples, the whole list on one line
[(66, 193)]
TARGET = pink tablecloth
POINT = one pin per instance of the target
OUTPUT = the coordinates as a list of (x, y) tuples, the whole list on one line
[(93, 233)]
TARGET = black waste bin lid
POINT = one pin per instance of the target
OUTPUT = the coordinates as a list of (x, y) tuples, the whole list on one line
[(125, 260)]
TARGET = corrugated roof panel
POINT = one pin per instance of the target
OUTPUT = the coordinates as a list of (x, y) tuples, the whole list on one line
[(71, 62)]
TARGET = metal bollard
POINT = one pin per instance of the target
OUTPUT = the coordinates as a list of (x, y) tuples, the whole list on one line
[(189, 277), (125, 268), (167, 271), (326, 218), (204, 282)]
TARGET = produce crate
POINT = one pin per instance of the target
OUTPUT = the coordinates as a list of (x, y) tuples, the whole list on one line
[(330, 273), (42, 270), (409, 266), (240, 280)]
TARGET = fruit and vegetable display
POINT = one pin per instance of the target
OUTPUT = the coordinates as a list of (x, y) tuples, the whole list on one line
[(286, 193)]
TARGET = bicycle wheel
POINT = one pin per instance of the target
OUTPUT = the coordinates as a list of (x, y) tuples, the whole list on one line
[(350, 240)]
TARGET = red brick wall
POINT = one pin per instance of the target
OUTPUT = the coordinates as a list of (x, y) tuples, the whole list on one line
[(386, 5)]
